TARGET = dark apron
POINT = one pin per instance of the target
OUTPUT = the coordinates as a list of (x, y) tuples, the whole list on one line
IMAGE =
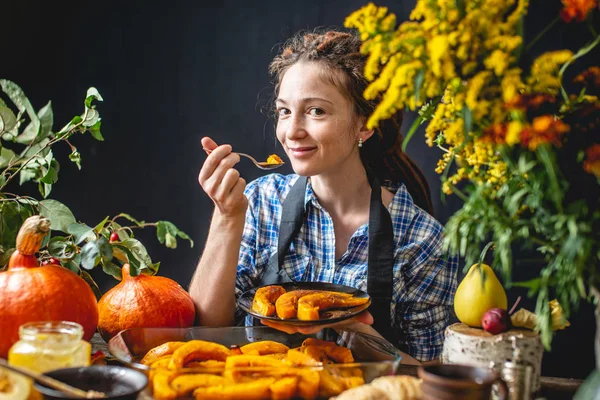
[(380, 259)]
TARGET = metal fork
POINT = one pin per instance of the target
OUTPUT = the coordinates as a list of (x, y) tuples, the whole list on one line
[(259, 164)]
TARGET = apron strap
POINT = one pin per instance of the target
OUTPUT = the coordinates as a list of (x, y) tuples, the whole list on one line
[(380, 269), (292, 218)]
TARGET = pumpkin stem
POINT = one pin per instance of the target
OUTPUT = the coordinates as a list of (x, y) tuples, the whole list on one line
[(31, 234), (125, 271)]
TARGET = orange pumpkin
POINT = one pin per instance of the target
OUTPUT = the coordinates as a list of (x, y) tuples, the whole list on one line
[(31, 293), (144, 302)]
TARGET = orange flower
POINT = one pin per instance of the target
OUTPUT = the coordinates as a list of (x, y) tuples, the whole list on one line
[(531, 101), (589, 77), (577, 9), (495, 134), (545, 129), (592, 160)]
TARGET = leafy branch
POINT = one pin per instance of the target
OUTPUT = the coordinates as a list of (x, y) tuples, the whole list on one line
[(77, 246)]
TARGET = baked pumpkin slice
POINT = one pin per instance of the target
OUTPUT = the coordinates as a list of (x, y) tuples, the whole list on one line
[(257, 389), (264, 348), (287, 304), (157, 352), (186, 384), (198, 350), (310, 305), (264, 299)]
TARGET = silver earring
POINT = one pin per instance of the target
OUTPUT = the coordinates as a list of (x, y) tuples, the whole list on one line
[(360, 142)]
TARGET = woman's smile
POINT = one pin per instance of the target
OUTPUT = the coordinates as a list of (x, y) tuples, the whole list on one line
[(302, 151)]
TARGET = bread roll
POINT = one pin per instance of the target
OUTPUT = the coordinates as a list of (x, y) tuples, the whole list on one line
[(363, 392), (402, 387)]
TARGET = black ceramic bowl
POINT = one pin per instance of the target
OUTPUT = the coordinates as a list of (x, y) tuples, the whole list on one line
[(118, 383)]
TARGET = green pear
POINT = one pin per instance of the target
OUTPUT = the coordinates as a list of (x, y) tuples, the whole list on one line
[(478, 292)]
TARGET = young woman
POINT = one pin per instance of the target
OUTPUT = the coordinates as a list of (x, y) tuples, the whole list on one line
[(356, 211)]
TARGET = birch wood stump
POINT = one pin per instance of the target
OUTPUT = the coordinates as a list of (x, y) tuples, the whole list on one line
[(476, 347)]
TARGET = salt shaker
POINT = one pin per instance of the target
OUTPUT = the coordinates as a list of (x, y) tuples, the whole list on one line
[(517, 375), (518, 379)]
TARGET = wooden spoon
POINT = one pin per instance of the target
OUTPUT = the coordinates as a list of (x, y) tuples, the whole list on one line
[(53, 383)]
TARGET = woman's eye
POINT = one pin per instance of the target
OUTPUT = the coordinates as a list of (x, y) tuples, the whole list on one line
[(316, 112), (283, 111)]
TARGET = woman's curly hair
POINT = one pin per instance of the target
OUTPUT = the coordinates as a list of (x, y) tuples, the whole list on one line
[(339, 51)]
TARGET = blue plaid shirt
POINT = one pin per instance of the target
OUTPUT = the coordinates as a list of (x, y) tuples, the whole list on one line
[(424, 277)]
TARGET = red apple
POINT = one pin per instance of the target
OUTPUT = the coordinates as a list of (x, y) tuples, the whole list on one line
[(495, 321)]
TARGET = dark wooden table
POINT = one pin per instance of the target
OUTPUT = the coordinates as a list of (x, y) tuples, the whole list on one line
[(552, 388)]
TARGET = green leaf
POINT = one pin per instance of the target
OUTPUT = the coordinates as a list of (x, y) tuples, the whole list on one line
[(29, 133), (98, 228), (26, 174), (59, 215), (92, 94), (46, 116), (166, 232), (92, 117), (426, 112), (45, 189), (62, 248), (76, 158), (138, 250), (95, 131), (112, 269), (170, 241), (12, 216), (51, 175), (8, 120), (419, 83), (65, 129), (17, 96), (30, 151), (6, 155), (5, 256), (547, 159), (81, 232), (413, 128), (90, 281), (468, 120), (134, 264), (90, 255), (40, 129), (460, 6), (106, 251), (153, 268), (72, 266), (533, 284)]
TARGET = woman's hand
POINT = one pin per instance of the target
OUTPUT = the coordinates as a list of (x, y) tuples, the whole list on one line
[(364, 318), (221, 181)]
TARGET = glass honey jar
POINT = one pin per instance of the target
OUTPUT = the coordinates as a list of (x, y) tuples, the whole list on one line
[(48, 345)]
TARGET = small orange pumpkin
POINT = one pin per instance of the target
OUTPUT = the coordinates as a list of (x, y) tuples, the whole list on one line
[(31, 293), (144, 302)]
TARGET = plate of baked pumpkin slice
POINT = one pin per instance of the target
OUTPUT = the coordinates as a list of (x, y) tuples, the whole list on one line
[(304, 303)]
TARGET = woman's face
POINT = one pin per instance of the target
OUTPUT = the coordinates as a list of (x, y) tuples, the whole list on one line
[(316, 125)]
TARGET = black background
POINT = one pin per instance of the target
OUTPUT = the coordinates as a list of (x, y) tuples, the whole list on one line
[(173, 72)]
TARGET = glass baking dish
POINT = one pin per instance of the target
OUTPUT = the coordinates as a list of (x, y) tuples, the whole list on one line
[(374, 356)]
